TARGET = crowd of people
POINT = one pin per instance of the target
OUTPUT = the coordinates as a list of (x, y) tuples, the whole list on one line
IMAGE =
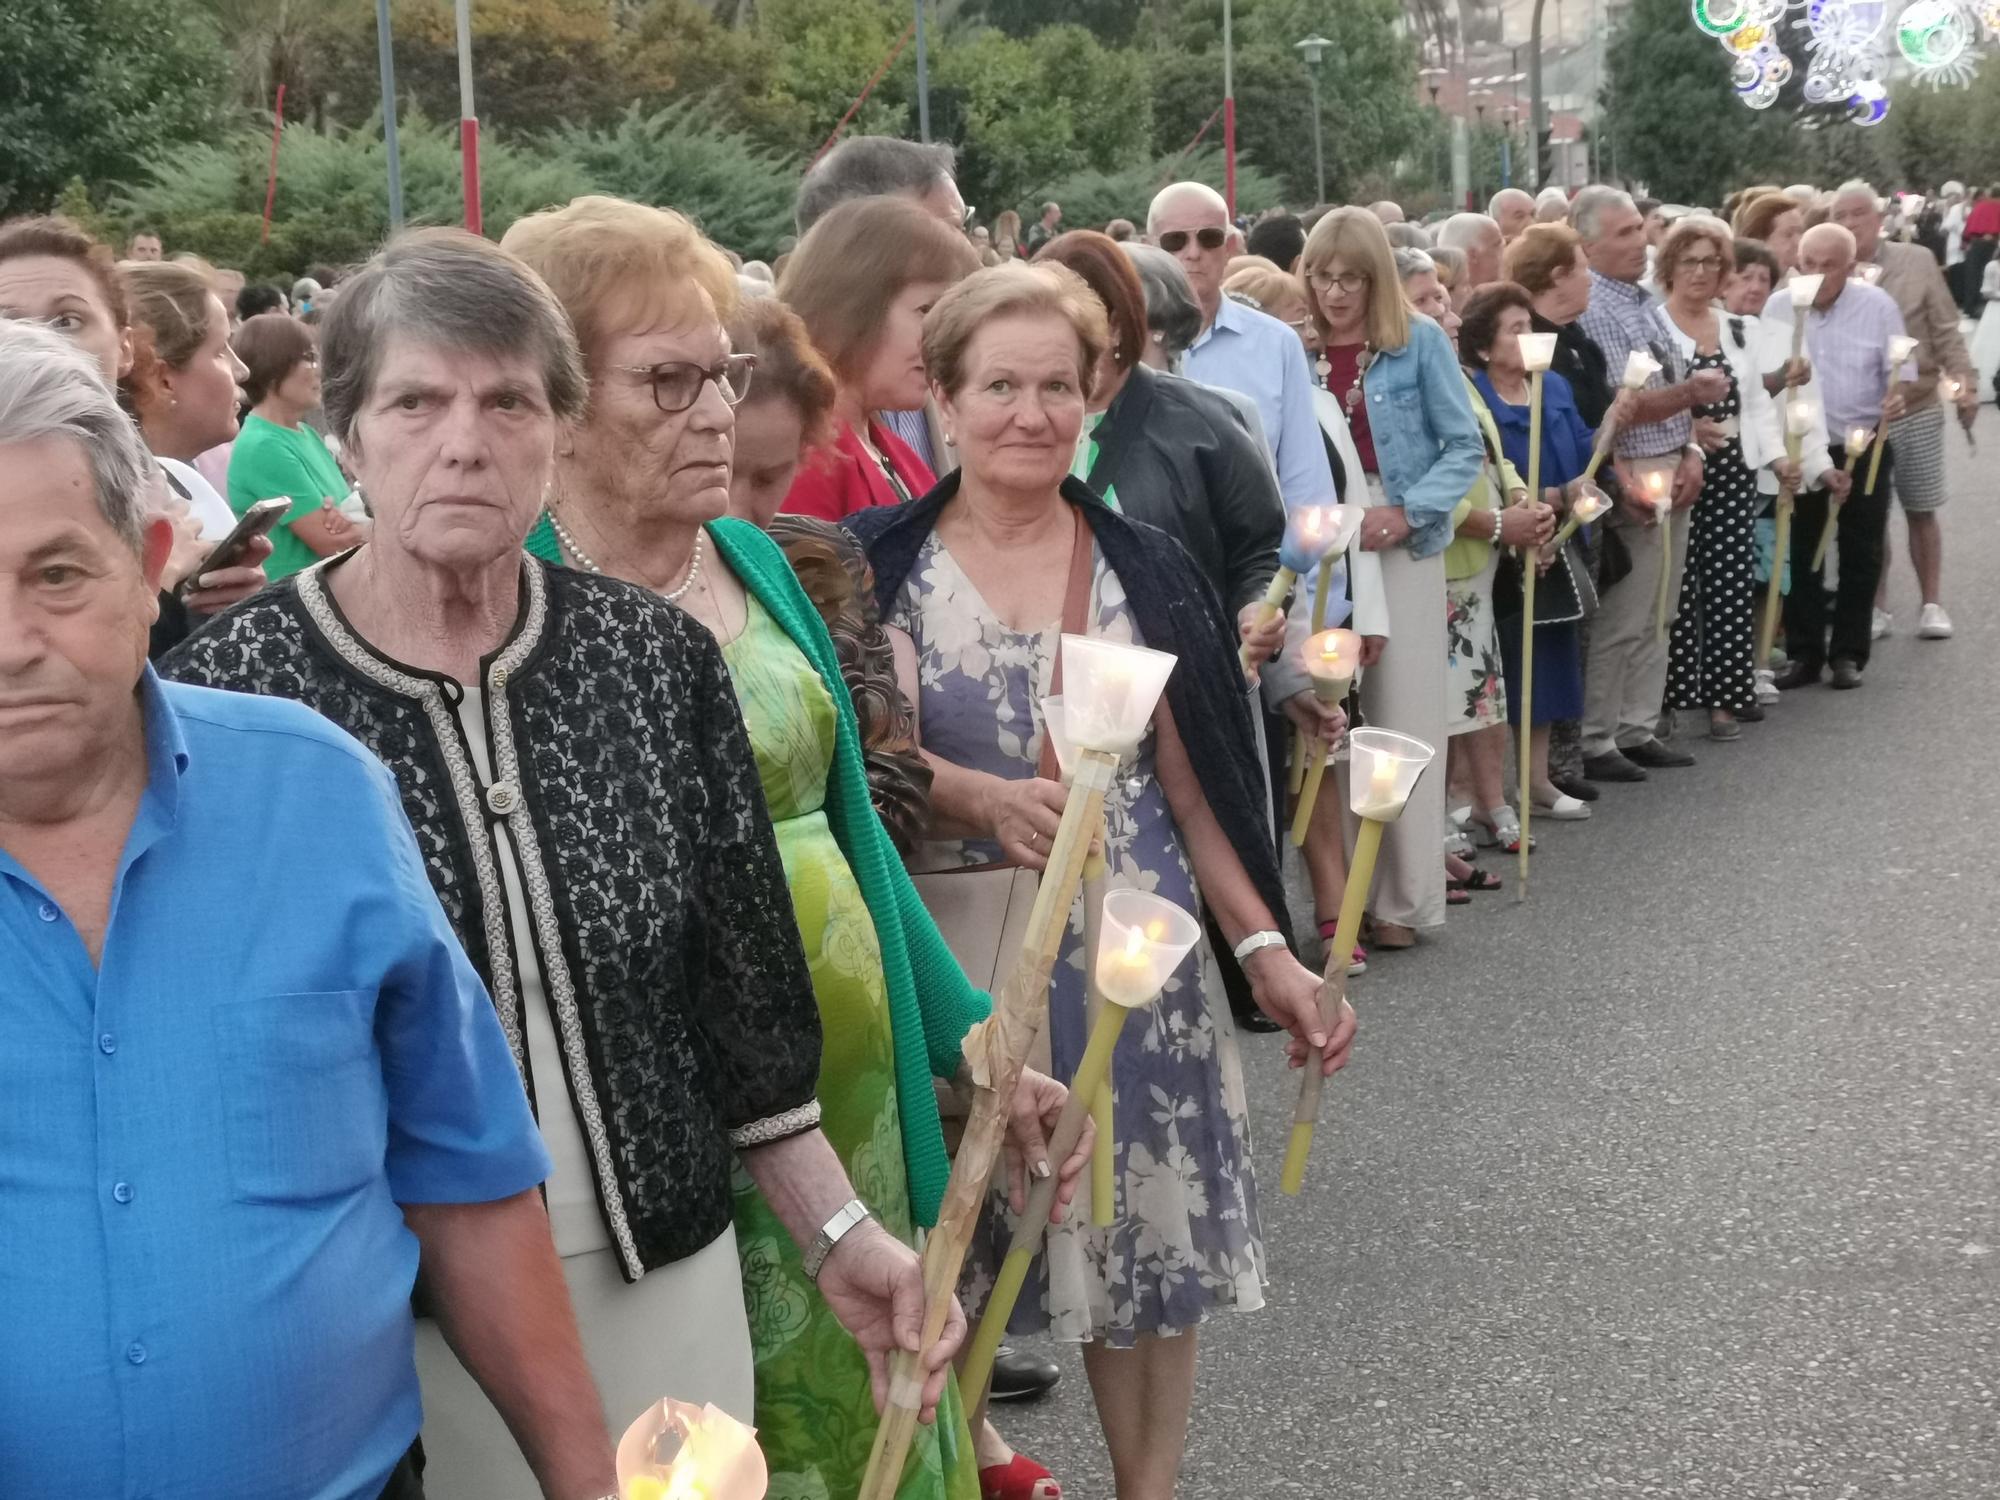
[(640, 655)]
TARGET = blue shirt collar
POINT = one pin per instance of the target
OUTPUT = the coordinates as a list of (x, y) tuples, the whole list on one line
[(167, 762), (1228, 318)]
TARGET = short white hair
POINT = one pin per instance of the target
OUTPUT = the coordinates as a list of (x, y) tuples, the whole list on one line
[(1464, 231), (1586, 212), (1507, 195), (1854, 187), (1207, 196), (49, 388)]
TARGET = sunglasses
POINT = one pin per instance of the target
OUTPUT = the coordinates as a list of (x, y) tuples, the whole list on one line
[(1175, 240), (677, 384)]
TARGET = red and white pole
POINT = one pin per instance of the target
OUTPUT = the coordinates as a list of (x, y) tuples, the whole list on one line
[(468, 119), (1228, 110)]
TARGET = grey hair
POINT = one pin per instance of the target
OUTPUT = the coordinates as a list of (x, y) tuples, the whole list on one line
[(1463, 231), (1408, 236), (49, 388), (1854, 187), (1171, 310), (870, 166), (448, 288), (1411, 261), (1587, 210)]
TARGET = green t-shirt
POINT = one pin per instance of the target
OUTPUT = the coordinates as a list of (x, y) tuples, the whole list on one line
[(269, 461)]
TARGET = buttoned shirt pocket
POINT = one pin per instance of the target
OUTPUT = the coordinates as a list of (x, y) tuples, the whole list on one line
[(304, 1107)]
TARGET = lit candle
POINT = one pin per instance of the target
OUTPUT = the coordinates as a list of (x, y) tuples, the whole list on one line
[(1951, 388), (1538, 350), (1658, 490), (1331, 659), (1640, 367), (679, 1451)]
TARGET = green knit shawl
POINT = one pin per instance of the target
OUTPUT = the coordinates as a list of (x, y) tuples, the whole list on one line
[(931, 1003)]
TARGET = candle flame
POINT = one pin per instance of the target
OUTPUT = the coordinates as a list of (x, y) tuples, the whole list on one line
[(1859, 437), (1135, 942)]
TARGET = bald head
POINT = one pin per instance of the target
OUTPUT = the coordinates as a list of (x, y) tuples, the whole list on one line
[(1513, 210), (1479, 237), (1190, 222), (1827, 251), (1387, 212), (1551, 206), (1183, 199)]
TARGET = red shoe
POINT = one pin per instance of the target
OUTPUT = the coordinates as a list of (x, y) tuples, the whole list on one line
[(1020, 1478)]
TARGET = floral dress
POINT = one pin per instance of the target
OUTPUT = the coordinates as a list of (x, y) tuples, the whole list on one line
[(1186, 1237), (1712, 652), (815, 1414)]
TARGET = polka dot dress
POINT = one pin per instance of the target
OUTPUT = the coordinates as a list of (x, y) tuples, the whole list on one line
[(1714, 642)]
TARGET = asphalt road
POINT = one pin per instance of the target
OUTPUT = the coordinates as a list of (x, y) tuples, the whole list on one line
[(1681, 1178)]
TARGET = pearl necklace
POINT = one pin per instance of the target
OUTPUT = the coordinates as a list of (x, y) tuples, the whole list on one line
[(672, 597)]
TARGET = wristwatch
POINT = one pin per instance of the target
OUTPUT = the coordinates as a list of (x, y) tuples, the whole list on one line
[(852, 1214), (1257, 941)]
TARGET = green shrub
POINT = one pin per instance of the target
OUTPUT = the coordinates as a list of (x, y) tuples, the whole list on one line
[(1090, 200)]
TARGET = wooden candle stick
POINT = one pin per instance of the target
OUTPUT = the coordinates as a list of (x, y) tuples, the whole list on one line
[(1103, 1156), (1799, 418), (1901, 347), (1384, 767), (1857, 444), (1145, 948), (1537, 360)]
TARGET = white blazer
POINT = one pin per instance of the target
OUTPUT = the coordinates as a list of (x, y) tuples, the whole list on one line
[(1773, 345), (1763, 436)]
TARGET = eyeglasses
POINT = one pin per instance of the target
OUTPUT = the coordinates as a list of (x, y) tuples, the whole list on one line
[(1349, 282), (677, 384), (1701, 263), (1210, 238)]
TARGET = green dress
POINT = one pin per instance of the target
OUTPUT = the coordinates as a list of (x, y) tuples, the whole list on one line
[(815, 1417)]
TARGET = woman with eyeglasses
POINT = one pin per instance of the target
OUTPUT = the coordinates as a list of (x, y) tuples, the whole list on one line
[(1419, 451), (1711, 663), (641, 492), (863, 278)]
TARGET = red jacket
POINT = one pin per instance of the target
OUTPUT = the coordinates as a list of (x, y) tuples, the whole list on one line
[(1984, 218), (839, 480)]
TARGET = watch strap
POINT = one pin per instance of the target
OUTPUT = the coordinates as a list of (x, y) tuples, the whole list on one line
[(850, 1214)]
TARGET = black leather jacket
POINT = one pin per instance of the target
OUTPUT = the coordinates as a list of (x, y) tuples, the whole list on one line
[(1178, 457)]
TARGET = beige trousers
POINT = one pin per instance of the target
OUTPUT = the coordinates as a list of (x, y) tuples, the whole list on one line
[(1625, 675), (1405, 692)]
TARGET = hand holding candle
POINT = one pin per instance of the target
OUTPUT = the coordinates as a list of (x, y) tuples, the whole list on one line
[(1384, 770), (1144, 940), (679, 1451), (1660, 491), (1331, 659), (1586, 509), (1857, 444), (1901, 348), (1800, 415), (1312, 533)]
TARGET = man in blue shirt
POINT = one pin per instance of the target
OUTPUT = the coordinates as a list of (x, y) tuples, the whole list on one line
[(248, 1073)]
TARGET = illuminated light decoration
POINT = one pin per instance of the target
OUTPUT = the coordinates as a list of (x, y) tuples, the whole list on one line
[(1762, 97), (1869, 103), (1745, 74), (1935, 38), (1746, 38), (1721, 17)]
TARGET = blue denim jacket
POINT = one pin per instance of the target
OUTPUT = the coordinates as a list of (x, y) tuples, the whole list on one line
[(1427, 442)]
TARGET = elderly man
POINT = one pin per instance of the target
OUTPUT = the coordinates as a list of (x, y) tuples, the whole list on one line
[(1387, 211), (1239, 348), (1910, 274), (1478, 238), (1513, 210), (1847, 345), (1625, 676), (233, 1124), (1552, 206)]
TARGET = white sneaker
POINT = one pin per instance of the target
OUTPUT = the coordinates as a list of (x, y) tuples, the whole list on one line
[(1881, 626), (1767, 686), (1935, 625)]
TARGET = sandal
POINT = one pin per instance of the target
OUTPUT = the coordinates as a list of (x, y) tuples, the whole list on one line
[(1355, 965), (1020, 1478), (1388, 937), (1500, 826), (1455, 893), (1478, 880)]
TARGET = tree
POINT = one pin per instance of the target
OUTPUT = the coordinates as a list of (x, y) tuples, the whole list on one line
[(1933, 135), (88, 87), (1092, 198)]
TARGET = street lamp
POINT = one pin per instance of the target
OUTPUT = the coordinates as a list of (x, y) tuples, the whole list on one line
[(1434, 80), (1313, 50)]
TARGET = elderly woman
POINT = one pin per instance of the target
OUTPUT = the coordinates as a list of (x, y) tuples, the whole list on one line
[(1752, 281), (1489, 343), (278, 455), (863, 278), (1399, 387), (982, 577), (1711, 661), (1495, 514), (641, 489), (52, 273), (572, 756)]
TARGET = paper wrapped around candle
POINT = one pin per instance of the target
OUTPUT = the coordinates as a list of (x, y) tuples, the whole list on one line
[(1901, 347), (679, 1451), (1145, 939), (1587, 509), (1056, 728), (1640, 367), (1538, 350), (1384, 770), (1805, 292), (1110, 690), (1331, 659), (1857, 444)]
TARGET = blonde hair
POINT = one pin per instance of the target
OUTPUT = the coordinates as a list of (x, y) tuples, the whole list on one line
[(1016, 289), (173, 307), (1356, 236), (1264, 283), (615, 265), (1757, 216)]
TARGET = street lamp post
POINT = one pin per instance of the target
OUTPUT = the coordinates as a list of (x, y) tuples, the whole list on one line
[(1434, 80), (1313, 50)]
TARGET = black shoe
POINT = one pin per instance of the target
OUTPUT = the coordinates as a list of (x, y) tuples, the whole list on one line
[(1023, 1377), (1652, 753), (1577, 787), (1753, 714), (1799, 674), (1846, 674), (1610, 766), (1255, 1022)]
